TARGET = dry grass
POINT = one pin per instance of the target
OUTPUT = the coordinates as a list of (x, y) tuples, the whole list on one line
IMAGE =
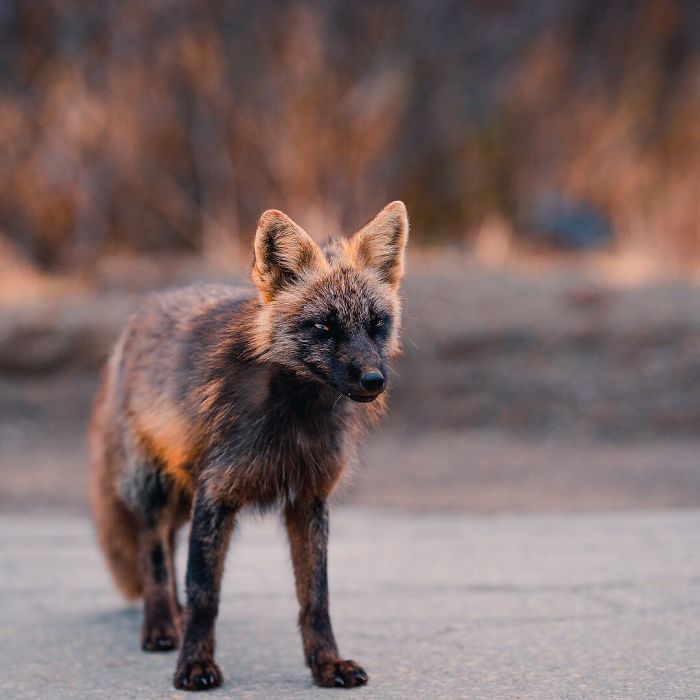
[(172, 126)]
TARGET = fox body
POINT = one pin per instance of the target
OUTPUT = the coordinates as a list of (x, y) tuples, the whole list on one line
[(218, 398)]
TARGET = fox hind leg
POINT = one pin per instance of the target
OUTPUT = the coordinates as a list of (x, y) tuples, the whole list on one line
[(157, 503)]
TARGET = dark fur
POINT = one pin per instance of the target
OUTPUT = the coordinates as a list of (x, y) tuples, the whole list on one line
[(215, 399)]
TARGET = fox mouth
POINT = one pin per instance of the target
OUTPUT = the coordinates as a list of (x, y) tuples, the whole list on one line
[(363, 398)]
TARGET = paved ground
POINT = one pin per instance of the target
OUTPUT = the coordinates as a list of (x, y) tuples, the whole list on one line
[(475, 471), (575, 606)]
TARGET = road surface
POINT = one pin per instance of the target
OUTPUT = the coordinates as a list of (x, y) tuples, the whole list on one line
[(434, 606)]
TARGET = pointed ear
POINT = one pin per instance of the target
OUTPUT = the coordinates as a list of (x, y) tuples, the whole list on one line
[(380, 244), (283, 252)]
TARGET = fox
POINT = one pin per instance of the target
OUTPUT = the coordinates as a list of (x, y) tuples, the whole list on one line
[(216, 399)]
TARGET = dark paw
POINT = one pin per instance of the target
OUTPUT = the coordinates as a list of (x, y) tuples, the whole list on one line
[(200, 674), (340, 674), (159, 637)]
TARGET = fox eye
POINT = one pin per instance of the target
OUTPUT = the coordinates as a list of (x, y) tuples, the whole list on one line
[(377, 326), (322, 327)]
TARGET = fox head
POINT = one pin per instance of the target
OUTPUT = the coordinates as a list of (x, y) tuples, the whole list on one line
[(331, 313)]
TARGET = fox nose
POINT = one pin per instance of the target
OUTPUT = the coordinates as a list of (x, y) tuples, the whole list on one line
[(372, 381)]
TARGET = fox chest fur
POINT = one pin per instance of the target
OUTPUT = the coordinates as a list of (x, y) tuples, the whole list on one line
[(198, 405)]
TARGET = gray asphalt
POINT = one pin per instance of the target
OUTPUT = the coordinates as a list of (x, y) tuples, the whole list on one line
[(556, 606)]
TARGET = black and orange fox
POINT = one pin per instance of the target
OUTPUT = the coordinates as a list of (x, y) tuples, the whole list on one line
[(218, 398)]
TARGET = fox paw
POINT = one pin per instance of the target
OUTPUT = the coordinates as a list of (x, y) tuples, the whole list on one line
[(160, 636), (340, 674), (198, 674)]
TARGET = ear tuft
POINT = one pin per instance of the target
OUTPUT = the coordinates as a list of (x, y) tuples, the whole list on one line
[(283, 252), (381, 243)]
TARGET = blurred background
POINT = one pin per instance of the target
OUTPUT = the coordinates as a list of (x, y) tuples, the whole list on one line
[(549, 155)]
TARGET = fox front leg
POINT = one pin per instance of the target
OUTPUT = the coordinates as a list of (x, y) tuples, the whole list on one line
[(212, 524), (307, 528)]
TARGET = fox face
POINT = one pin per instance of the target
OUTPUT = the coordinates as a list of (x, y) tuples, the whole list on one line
[(331, 314)]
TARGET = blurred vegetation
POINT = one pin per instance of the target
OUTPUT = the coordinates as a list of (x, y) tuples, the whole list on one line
[(171, 125)]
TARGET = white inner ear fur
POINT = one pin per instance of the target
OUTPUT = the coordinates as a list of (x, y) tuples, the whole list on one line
[(381, 243), (283, 252)]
